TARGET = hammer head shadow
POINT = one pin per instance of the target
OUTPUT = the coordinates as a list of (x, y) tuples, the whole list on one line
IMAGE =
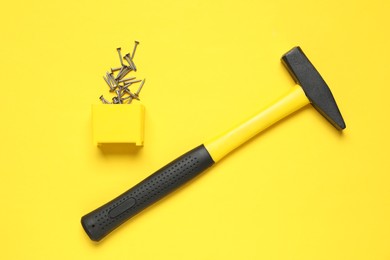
[(314, 86)]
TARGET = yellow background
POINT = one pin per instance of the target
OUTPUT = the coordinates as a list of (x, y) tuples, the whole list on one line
[(299, 191)]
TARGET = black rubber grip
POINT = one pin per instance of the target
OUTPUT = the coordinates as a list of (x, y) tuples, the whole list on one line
[(105, 219)]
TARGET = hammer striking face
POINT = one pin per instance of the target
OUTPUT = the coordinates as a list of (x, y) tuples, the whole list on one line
[(311, 89)]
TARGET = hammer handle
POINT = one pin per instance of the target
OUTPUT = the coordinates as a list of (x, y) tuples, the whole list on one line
[(234, 137), (105, 219)]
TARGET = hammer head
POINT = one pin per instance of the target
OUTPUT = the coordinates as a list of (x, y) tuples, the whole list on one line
[(314, 86)]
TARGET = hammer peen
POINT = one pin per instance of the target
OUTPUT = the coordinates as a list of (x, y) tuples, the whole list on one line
[(310, 88)]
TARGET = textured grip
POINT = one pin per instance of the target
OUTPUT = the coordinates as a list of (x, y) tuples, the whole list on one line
[(105, 219)]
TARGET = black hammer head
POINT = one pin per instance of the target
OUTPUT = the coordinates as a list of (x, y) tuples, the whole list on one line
[(314, 86)]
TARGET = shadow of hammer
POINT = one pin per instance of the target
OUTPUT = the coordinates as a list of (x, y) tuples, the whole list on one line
[(310, 88)]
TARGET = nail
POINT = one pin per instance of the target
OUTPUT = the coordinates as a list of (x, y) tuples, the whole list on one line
[(125, 80), (105, 101), (130, 61), (120, 55), (115, 69), (128, 83), (108, 81), (131, 95), (120, 72), (138, 91), (123, 73), (115, 100), (140, 87), (112, 83), (119, 94), (135, 47)]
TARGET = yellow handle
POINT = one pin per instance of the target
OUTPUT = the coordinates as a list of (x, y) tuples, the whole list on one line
[(233, 138)]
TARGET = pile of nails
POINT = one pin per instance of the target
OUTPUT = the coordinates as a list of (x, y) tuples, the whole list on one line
[(117, 82)]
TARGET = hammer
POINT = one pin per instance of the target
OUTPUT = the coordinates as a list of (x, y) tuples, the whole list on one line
[(310, 88)]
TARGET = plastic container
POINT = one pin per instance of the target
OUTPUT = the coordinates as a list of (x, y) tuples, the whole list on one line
[(118, 123)]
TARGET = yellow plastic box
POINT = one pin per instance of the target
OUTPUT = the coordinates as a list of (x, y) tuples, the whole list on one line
[(118, 123)]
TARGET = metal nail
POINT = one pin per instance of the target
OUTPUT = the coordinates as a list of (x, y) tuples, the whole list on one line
[(140, 87), (119, 94), (111, 82), (115, 69), (135, 47), (131, 95), (120, 72), (130, 61), (107, 81), (120, 55), (105, 101), (138, 91), (123, 73), (128, 83), (125, 80), (115, 100)]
